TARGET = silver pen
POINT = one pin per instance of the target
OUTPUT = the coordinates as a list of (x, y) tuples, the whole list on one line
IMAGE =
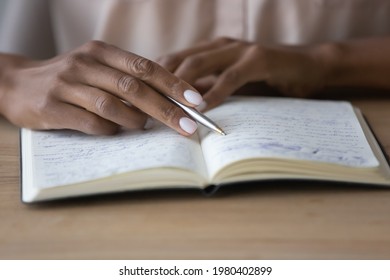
[(200, 118)]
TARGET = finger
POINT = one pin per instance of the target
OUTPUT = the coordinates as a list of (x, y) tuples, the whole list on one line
[(209, 62), (81, 120), (205, 84), (140, 95), (106, 106), (149, 72), (248, 68), (227, 83), (172, 61)]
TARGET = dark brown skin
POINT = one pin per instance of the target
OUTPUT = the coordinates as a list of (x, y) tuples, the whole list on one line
[(85, 90), (88, 89), (222, 66)]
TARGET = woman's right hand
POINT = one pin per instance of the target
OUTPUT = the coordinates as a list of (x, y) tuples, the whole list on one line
[(94, 89)]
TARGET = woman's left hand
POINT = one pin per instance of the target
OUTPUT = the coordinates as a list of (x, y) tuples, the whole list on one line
[(224, 65)]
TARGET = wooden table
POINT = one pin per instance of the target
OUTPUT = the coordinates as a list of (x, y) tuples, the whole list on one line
[(268, 221)]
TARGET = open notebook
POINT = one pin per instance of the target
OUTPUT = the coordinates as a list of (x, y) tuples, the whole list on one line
[(267, 138)]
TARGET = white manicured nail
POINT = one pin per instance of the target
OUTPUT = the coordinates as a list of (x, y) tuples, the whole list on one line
[(202, 106), (149, 123), (188, 125), (193, 97)]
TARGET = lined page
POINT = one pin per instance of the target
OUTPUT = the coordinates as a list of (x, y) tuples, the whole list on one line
[(287, 128), (67, 157)]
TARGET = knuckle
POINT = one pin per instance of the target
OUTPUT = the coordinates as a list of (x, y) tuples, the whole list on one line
[(193, 61), (75, 61), (94, 46), (128, 84), (141, 67), (221, 41), (104, 105)]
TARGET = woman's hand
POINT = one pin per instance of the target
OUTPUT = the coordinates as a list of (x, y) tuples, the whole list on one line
[(94, 89), (223, 66)]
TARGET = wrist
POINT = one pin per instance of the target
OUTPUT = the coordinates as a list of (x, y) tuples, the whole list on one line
[(302, 70), (8, 65), (329, 58)]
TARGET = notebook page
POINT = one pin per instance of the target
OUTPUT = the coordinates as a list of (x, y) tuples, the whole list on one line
[(287, 128), (67, 157)]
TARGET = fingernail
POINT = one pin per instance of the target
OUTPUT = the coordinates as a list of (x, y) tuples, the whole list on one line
[(193, 97), (188, 125), (202, 106), (149, 123)]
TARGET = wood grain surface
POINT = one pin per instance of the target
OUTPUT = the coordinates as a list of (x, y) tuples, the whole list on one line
[(280, 220)]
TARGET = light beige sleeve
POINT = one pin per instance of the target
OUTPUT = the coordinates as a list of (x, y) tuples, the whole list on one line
[(25, 28)]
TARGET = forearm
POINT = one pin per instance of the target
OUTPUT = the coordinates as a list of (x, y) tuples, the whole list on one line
[(358, 63), (8, 62)]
